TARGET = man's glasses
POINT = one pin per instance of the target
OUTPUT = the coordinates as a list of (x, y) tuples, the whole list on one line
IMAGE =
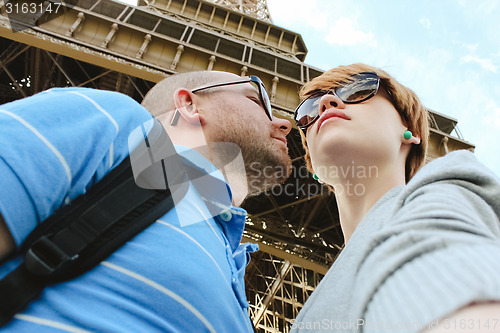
[(264, 97), (359, 88)]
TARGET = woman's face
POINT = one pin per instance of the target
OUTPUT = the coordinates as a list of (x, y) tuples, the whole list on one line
[(368, 134)]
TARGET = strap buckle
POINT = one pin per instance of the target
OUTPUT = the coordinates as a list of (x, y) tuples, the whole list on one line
[(45, 257)]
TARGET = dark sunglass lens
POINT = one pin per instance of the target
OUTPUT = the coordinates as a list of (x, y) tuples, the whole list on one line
[(266, 100), (359, 89), (308, 111), (264, 97), (305, 120)]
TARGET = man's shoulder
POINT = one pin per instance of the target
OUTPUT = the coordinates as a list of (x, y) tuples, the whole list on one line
[(58, 92), (62, 92), (70, 100)]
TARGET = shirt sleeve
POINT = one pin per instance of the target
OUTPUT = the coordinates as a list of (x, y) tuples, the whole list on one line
[(56, 144), (439, 252)]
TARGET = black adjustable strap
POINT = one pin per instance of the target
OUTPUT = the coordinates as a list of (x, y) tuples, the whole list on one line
[(95, 231), (92, 227)]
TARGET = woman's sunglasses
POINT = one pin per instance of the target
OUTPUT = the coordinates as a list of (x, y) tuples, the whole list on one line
[(264, 97), (359, 88)]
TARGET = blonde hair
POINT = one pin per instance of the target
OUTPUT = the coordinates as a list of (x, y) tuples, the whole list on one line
[(412, 112)]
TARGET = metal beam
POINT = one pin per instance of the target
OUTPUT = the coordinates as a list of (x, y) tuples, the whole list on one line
[(46, 42), (285, 206), (135, 86), (94, 78), (278, 208), (8, 59), (278, 282), (296, 260), (61, 69), (38, 72), (310, 217), (86, 74), (49, 76), (14, 81)]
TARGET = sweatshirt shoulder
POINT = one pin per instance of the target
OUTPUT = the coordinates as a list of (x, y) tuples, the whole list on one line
[(460, 165)]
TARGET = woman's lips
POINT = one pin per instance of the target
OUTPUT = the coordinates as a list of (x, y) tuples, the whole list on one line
[(331, 114)]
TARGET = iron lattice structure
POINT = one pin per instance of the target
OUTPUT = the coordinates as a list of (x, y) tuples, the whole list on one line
[(255, 8), (109, 45)]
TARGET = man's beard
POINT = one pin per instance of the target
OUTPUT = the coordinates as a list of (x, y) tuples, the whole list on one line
[(265, 168), (265, 164)]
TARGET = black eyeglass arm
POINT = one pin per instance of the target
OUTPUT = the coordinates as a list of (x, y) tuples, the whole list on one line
[(221, 84)]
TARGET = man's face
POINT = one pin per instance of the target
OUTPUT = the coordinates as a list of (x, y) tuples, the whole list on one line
[(235, 114)]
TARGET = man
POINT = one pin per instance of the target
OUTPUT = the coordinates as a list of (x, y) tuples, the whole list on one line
[(185, 272)]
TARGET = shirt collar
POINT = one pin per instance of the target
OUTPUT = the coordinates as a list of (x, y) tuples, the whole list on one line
[(216, 193)]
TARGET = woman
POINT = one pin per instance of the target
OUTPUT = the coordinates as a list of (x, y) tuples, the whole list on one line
[(419, 246)]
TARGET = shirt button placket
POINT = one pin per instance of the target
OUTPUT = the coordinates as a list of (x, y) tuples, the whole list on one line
[(226, 215)]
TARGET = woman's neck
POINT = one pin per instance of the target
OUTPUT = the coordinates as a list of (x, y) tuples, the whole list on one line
[(357, 195)]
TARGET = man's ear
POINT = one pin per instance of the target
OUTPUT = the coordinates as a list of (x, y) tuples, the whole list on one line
[(186, 107)]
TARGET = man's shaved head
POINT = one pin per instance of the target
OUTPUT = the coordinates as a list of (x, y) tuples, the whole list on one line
[(160, 99)]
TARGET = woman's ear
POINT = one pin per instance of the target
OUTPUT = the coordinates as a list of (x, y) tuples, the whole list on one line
[(186, 108), (415, 140)]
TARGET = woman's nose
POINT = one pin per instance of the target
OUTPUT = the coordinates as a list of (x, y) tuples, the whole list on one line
[(330, 100)]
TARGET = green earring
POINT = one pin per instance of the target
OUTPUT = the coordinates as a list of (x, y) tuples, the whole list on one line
[(315, 176), (407, 135)]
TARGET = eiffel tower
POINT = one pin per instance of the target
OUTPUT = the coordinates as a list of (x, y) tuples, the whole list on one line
[(107, 44)]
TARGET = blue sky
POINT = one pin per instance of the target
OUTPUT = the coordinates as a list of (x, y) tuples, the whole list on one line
[(447, 51)]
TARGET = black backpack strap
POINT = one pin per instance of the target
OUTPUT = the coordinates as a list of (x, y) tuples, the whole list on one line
[(93, 226)]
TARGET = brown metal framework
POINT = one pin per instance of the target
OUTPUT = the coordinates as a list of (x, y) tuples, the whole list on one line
[(109, 45)]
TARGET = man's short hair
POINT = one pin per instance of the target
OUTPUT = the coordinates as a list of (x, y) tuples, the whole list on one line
[(159, 99), (412, 112)]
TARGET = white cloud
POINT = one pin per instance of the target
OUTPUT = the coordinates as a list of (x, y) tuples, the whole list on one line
[(334, 20), (493, 110), (484, 63), (479, 8), (471, 48), (484, 135), (293, 12), (425, 22), (345, 32)]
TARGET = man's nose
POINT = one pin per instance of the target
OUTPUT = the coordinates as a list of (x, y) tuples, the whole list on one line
[(330, 100), (284, 125)]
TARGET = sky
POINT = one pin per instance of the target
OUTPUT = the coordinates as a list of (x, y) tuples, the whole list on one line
[(447, 51)]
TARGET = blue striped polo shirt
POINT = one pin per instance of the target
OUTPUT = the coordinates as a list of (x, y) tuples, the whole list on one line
[(184, 273)]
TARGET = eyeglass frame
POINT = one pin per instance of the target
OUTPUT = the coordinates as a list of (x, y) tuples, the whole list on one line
[(265, 103), (333, 92)]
